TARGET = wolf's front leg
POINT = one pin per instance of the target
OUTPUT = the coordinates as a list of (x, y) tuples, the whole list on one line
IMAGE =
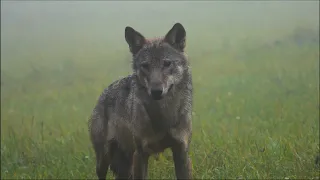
[(182, 161), (180, 148), (140, 163)]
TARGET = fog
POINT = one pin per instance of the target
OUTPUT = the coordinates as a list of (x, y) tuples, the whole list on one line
[(57, 30), (255, 76)]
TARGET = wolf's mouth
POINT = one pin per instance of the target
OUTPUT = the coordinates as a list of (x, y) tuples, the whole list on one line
[(157, 95)]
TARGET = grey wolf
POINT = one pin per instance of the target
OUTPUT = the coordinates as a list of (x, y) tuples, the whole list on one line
[(146, 112)]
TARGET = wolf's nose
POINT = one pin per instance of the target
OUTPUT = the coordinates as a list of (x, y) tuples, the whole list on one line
[(156, 94)]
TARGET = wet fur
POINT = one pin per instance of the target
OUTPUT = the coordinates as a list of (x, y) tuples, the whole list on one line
[(127, 125)]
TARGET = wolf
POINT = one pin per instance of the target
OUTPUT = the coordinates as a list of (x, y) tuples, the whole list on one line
[(147, 111)]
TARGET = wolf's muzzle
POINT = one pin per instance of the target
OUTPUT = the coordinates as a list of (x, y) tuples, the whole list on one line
[(156, 94)]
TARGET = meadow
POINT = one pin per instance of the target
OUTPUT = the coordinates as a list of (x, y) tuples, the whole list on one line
[(255, 114)]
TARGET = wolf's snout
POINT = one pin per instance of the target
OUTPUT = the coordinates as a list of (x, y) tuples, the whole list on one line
[(156, 94)]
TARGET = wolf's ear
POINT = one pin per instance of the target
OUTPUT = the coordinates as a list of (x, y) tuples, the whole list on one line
[(134, 39), (176, 37)]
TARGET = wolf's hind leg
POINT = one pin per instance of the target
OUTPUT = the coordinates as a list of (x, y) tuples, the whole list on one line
[(102, 160), (121, 161)]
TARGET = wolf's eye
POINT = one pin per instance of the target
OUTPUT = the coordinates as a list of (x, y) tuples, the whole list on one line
[(166, 63), (145, 66)]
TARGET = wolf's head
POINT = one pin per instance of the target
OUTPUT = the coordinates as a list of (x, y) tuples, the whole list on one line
[(158, 63)]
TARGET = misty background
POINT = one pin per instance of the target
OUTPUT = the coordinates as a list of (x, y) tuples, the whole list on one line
[(48, 32), (255, 73)]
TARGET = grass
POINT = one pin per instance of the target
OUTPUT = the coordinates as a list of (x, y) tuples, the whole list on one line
[(256, 113)]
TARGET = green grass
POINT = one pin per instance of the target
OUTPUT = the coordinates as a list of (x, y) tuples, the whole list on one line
[(256, 113)]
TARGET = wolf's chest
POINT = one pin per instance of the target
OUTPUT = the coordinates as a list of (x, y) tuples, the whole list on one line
[(156, 144), (160, 117)]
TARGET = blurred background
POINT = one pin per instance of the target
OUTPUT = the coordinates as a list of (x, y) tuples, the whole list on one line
[(255, 69)]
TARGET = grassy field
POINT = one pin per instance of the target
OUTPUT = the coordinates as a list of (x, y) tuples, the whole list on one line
[(256, 109)]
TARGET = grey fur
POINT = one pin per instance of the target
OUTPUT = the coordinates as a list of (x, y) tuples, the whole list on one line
[(146, 112)]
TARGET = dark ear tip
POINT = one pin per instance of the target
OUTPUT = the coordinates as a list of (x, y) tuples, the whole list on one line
[(178, 25), (128, 29)]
